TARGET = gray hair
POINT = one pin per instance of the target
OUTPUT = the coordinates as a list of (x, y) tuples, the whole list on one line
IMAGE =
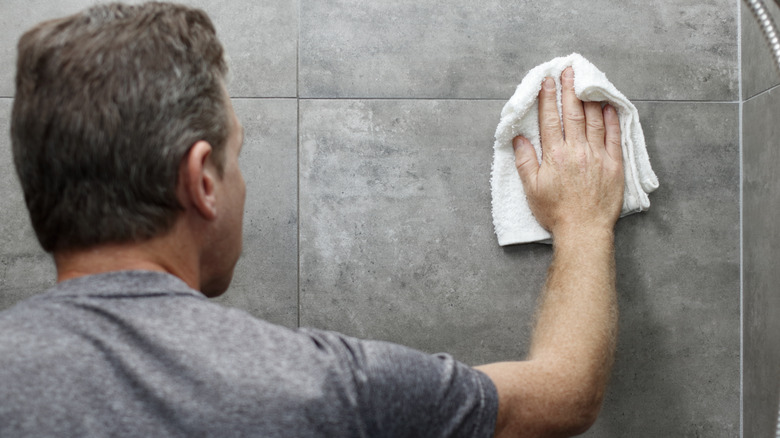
[(108, 102)]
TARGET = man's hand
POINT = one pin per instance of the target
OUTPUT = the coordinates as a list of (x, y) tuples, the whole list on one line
[(576, 193), (579, 184)]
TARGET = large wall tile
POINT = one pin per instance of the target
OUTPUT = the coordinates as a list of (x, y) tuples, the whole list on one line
[(761, 233), (684, 50), (397, 243), (25, 269), (260, 39), (758, 69), (677, 365), (397, 239), (266, 277)]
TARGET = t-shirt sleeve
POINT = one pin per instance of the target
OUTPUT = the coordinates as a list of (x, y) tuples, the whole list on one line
[(402, 392)]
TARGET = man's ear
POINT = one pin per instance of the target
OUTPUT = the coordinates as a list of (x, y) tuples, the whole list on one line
[(198, 180)]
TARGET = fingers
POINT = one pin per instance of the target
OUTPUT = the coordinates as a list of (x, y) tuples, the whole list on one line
[(525, 160), (594, 127), (612, 138), (573, 112), (583, 123), (549, 120)]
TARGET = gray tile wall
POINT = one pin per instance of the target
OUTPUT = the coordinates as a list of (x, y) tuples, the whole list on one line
[(761, 202), (369, 143)]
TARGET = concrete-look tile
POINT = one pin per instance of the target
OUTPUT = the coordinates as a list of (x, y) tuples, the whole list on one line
[(266, 277), (761, 234), (397, 239), (758, 69), (25, 269), (424, 49), (677, 365), (260, 39), (397, 243)]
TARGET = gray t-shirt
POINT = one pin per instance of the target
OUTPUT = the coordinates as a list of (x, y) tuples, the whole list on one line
[(139, 353)]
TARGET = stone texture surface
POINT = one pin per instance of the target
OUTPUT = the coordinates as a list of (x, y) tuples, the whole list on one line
[(677, 365), (25, 269), (397, 244), (395, 238), (761, 202), (259, 37), (758, 70), (761, 231), (265, 282), (684, 50)]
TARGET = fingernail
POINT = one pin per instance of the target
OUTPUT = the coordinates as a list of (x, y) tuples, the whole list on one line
[(518, 141), (568, 73), (549, 84)]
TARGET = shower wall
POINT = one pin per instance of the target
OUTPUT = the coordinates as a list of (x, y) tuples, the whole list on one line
[(369, 132), (760, 231)]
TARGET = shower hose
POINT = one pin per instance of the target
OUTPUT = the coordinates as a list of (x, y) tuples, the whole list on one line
[(769, 28)]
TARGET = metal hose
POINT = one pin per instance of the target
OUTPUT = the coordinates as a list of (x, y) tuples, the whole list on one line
[(768, 26)]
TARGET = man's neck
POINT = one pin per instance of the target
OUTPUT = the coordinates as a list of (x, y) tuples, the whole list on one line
[(157, 254)]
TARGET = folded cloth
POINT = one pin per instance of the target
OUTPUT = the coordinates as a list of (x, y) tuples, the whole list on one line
[(512, 218)]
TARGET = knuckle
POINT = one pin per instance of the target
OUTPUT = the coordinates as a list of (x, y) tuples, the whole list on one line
[(595, 125), (521, 162), (575, 116), (550, 121), (550, 125)]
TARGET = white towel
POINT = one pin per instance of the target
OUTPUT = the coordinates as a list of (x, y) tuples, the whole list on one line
[(512, 217)]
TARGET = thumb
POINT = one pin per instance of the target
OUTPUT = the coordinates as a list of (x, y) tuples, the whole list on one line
[(525, 160)]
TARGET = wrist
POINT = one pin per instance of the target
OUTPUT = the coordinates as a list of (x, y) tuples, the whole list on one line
[(582, 234)]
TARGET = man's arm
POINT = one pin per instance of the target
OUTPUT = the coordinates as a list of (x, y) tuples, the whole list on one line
[(576, 193)]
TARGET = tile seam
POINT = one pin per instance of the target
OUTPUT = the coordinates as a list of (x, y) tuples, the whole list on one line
[(298, 199), (468, 99), (298, 97), (298, 154), (767, 91), (504, 100), (741, 226)]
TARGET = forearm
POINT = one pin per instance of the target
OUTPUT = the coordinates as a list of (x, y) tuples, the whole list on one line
[(576, 193), (576, 326)]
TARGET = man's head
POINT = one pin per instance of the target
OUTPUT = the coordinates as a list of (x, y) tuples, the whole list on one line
[(108, 102)]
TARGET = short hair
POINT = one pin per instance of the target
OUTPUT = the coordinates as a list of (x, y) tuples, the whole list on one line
[(107, 104)]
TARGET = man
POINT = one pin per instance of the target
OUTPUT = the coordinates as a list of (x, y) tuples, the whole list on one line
[(127, 146)]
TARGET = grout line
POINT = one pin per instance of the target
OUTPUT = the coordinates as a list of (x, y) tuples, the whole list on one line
[(473, 99), (298, 153), (768, 90), (264, 98), (298, 55), (298, 199), (476, 99), (741, 231)]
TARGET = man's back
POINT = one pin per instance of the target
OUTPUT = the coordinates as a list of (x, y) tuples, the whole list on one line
[(141, 354)]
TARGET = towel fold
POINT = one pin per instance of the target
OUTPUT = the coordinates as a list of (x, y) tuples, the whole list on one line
[(512, 217)]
